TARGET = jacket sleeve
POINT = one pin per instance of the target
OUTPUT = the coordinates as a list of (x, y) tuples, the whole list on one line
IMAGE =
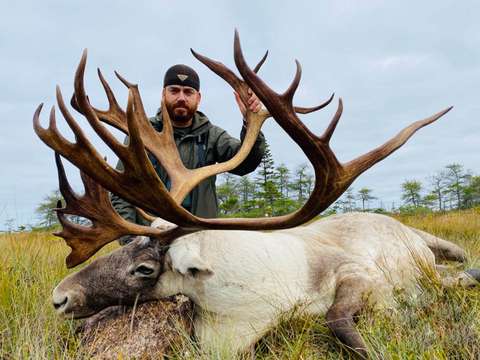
[(227, 147)]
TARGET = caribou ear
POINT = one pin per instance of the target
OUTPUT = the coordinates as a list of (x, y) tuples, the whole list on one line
[(187, 261), (198, 269)]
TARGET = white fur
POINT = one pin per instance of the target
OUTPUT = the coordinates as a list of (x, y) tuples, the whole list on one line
[(243, 281)]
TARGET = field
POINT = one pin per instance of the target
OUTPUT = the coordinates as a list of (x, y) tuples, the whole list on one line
[(440, 324)]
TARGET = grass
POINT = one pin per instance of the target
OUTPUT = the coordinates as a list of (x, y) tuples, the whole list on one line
[(439, 324), (31, 264)]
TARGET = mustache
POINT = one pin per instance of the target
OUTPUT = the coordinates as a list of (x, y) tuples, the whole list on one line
[(182, 105)]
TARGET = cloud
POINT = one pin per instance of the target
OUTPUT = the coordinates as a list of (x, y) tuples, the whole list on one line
[(389, 64)]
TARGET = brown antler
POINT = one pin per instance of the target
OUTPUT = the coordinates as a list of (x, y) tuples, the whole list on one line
[(140, 185), (106, 225), (160, 144), (332, 178)]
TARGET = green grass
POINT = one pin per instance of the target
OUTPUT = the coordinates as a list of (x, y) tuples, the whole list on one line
[(439, 324)]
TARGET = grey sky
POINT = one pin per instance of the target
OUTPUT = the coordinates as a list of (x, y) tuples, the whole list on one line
[(392, 62)]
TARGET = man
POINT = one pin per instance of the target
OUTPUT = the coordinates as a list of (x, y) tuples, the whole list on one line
[(198, 141)]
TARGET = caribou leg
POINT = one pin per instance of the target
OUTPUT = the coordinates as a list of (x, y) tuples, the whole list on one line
[(350, 298), (442, 249)]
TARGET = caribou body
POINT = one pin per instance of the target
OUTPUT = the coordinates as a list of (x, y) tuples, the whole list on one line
[(242, 282)]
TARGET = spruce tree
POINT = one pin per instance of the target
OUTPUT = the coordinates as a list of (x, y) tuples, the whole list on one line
[(266, 182)]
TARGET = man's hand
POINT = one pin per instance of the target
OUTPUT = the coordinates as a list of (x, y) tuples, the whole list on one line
[(254, 102)]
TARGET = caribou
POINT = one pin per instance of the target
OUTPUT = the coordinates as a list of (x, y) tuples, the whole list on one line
[(240, 279)]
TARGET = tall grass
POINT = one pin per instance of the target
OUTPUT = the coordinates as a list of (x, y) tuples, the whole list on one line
[(31, 264), (439, 324)]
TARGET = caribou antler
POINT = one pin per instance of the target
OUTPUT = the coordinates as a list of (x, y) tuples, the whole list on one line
[(160, 144), (140, 185), (95, 205)]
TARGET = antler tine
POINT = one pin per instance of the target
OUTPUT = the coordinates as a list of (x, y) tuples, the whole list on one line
[(255, 120), (229, 76), (279, 106), (114, 112), (89, 112), (260, 63), (327, 135), (362, 163), (113, 115), (52, 131), (94, 205), (303, 110)]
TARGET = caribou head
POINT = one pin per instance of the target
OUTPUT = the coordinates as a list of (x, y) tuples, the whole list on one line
[(126, 276)]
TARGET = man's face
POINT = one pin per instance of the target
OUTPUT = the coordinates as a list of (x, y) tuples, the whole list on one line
[(181, 103)]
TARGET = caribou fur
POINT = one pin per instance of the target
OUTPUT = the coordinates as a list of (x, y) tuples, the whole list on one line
[(241, 282)]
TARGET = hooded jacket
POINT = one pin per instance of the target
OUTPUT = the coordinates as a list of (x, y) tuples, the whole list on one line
[(218, 147)]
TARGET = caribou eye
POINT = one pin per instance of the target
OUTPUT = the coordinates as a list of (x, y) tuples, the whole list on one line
[(144, 270)]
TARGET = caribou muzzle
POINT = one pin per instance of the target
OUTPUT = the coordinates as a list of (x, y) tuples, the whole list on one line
[(69, 300)]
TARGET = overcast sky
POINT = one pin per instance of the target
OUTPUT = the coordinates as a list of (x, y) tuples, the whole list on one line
[(392, 62)]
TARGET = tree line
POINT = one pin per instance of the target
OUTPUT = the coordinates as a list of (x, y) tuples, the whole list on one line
[(273, 191), (451, 188), (278, 190)]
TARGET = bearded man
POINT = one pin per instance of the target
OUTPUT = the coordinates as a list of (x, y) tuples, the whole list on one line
[(199, 143)]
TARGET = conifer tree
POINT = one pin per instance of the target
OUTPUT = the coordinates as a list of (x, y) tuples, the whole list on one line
[(302, 183), (266, 182), (457, 178), (411, 192), (365, 196)]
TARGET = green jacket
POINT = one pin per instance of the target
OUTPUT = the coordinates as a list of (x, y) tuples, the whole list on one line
[(218, 146)]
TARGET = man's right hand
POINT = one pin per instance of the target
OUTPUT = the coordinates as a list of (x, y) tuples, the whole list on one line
[(254, 102)]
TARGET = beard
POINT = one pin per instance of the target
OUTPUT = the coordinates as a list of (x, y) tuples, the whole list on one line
[(180, 112)]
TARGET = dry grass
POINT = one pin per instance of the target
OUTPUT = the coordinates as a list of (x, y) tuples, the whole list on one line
[(31, 264)]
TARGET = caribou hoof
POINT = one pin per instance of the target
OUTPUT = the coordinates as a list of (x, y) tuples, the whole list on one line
[(474, 273)]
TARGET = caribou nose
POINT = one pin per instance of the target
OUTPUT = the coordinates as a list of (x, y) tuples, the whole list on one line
[(59, 303), (60, 298)]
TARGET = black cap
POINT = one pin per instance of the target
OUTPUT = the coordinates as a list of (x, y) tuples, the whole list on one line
[(182, 75)]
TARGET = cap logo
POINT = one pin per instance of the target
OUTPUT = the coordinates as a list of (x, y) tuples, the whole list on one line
[(182, 77)]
